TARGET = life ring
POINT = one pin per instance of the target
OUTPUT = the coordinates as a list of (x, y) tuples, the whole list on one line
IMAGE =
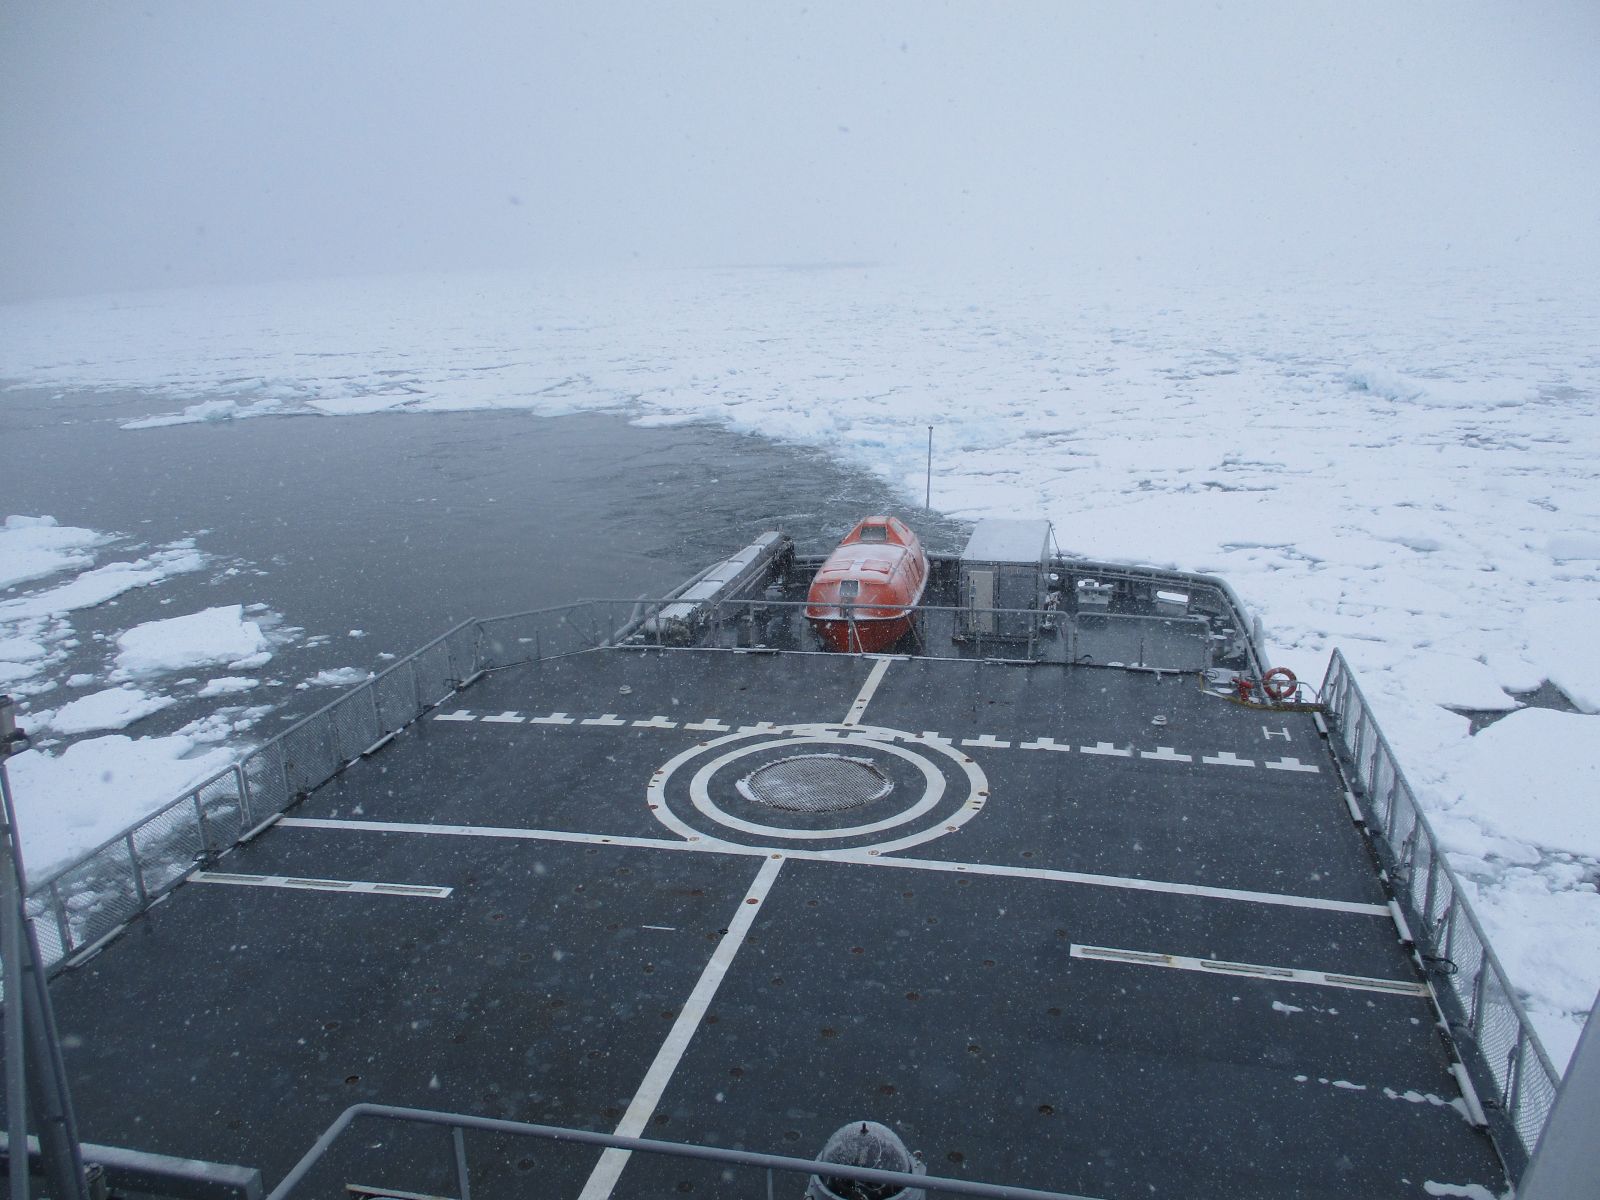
[(1280, 683)]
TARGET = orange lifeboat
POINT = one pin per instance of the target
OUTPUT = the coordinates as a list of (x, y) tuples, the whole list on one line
[(863, 597)]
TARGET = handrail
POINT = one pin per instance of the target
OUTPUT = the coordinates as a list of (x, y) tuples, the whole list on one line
[(742, 1158), (1502, 1055)]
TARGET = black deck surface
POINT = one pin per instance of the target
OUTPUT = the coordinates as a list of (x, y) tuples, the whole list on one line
[(945, 973)]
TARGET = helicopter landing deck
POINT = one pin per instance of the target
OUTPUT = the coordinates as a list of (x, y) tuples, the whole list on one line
[(1080, 929)]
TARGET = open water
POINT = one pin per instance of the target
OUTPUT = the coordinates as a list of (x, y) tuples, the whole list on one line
[(400, 526)]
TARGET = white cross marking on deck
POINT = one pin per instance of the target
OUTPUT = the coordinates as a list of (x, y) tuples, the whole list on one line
[(709, 725), (759, 727), (1106, 748), (1179, 962), (934, 739), (864, 696), (656, 722), (294, 883), (860, 857), (555, 718), (460, 714), (1165, 754), (609, 1169), (1227, 758), (988, 741), (1291, 764), (1044, 743), (506, 718), (603, 719)]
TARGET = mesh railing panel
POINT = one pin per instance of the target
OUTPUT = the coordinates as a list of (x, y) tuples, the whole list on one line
[(47, 913), (395, 692), (436, 679), (1514, 1078), (309, 758), (264, 778), (353, 720), (1496, 1032), (462, 646), (1464, 950), (1536, 1096), (224, 811), (168, 845), (98, 896), (507, 641)]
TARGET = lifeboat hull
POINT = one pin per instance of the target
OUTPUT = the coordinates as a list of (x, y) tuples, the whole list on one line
[(862, 599), (861, 637)]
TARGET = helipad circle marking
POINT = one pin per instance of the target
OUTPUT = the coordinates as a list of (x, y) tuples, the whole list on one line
[(700, 794), (977, 783)]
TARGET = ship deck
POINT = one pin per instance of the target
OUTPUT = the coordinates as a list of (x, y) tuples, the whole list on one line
[(1105, 933)]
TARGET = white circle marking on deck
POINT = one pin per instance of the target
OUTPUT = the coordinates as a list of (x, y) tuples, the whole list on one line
[(830, 734), (700, 793)]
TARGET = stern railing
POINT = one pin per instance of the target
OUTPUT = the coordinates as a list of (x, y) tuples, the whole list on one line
[(732, 1166), (1513, 1077)]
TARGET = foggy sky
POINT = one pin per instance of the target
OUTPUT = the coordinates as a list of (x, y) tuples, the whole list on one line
[(167, 143)]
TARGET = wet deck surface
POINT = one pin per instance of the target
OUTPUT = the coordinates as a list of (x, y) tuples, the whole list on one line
[(1002, 958)]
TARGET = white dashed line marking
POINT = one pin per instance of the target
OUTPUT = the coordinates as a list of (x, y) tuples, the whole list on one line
[(1227, 758), (351, 886), (1044, 743), (983, 741), (1107, 749), (1291, 764), (1211, 966)]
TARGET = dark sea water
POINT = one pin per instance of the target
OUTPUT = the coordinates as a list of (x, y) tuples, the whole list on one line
[(399, 526)]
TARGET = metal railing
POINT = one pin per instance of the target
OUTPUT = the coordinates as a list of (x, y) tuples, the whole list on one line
[(731, 1162), (1513, 1076), (81, 905)]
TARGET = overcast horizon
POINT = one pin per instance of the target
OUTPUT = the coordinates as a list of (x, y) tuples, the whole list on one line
[(182, 143)]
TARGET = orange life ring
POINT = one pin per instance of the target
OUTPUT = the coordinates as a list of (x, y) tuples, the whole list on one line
[(1280, 683)]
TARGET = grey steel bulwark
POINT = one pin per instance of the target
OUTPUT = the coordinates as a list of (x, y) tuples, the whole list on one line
[(1100, 932)]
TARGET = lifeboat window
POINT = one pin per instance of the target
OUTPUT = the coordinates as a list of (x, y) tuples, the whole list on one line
[(874, 533), (849, 589)]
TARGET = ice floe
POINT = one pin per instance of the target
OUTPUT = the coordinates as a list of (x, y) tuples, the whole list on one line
[(214, 635), (36, 548), (111, 708)]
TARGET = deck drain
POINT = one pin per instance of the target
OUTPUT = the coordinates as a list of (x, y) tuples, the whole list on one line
[(816, 783)]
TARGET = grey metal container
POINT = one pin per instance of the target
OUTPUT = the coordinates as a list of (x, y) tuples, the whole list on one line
[(1006, 565)]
